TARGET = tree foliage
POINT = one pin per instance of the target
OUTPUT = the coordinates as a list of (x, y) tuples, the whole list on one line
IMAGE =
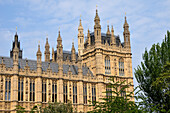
[(116, 103), (56, 107), (20, 109), (59, 108), (152, 77)]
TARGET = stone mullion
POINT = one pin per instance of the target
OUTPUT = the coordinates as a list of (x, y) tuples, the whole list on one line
[(49, 90), (60, 90), (70, 91)]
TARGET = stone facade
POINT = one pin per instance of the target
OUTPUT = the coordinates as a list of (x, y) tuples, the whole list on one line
[(77, 77)]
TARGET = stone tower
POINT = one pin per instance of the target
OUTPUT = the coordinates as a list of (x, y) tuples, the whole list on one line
[(47, 51), (17, 43), (97, 29), (73, 53), (126, 35), (80, 39), (60, 53), (39, 62), (97, 35), (38, 80)]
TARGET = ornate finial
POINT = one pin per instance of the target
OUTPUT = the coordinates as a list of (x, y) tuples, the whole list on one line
[(38, 42), (47, 35), (108, 22), (96, 6), (16, 28), (73, 40), (125, 13), (59, 29), (80, 16)]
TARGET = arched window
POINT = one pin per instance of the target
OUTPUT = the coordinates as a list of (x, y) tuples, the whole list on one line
[(121, 67), (107, 65)]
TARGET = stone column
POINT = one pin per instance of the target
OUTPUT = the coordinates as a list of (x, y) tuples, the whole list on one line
[(80, 96), (60, 90)]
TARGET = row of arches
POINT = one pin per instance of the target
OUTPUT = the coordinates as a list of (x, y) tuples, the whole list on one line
[(108, 68)]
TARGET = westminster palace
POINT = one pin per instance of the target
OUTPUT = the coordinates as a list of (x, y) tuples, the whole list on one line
[(80, 77)]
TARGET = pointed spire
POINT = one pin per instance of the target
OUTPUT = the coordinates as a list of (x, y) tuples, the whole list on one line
[(125, 24), (97, 19), (108, 30), (112, 30), (47, 44), (39, 51), (16, 49), (59, 36), (73, 44), (80, 24), (53, 58), (88, 35), (16, 36), (80, 21), (73, 53)]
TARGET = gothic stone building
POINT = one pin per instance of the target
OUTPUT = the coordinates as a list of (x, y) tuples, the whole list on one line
[(68, 75)]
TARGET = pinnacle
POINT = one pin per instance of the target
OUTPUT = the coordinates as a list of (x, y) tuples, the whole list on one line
[(112, 30), (108, 30), (59, 36), (39, 51)]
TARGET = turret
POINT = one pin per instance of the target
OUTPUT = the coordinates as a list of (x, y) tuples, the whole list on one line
[(60, 54), (53, 57), (47, 51), (89, 39), (108, 30), (126, 35), (97, 29), (80, 39), (113, 40), (17, 43), (39, 62), (15, 58), (73, 53)]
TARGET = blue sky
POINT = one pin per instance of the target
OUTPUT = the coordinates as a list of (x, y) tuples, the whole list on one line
[(148, 20)]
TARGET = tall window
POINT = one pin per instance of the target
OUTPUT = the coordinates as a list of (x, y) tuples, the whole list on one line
[(74, 92), (54, 91), (85, 93), (65, 92), (32, 90), (108, 92), (7, 88), (121, 67), (44, 91), (20, 89), (93, 92), (107, 65)]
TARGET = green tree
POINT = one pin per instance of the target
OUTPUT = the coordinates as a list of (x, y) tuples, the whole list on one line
[(20, 109), (151, 70), (116, 103), (58, 107), (163, 83)]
